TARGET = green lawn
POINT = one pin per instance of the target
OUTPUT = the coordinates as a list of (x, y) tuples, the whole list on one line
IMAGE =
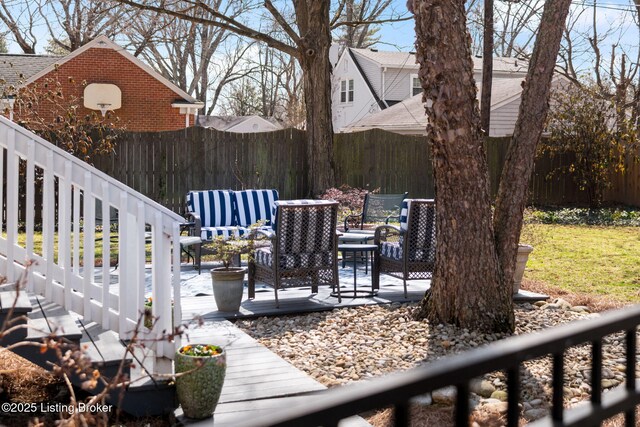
[(591, 260), (586, 259), (37, 246)]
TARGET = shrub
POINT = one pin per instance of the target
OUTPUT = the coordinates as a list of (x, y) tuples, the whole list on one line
[(619, 216), (351, 199), (594, 136)]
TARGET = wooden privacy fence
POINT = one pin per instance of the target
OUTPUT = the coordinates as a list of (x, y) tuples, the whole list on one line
[(165, 165)]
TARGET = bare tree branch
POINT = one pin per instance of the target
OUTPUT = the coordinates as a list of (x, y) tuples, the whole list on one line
[(225, 23)]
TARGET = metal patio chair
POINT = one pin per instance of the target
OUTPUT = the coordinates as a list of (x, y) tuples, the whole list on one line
[(407, 252), (303, 249), (377, 208)]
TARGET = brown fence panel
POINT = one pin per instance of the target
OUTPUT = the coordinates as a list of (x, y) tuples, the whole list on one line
[(165, 165), (378, 159), (626, 185)]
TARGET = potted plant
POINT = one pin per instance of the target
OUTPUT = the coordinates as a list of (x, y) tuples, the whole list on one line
[(228, 281), (202, 368)]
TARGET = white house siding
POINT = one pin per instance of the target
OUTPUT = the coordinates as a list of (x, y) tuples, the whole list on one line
[(503, 118), (397, 82), (371, 71), (364, 102)]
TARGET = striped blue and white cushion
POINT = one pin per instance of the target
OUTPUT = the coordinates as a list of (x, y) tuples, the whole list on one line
[(210, 233), (215, 207), (263, 256), (391, 250), (254, 205), (404, 214)]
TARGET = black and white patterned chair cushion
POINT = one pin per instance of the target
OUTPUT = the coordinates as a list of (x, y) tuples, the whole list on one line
[(264, 256), (304, 230)]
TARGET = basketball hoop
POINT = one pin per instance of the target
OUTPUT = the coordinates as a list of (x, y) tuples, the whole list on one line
[(103, 108)]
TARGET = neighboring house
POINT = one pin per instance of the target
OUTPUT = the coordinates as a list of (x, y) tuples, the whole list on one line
[(367, 81), (105, 77), (408, 117), (240, 124)]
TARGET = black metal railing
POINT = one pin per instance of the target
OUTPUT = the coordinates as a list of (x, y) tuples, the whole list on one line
[(328, 408)]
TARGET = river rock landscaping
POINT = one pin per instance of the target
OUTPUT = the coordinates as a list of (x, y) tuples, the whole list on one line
[(355, 344)]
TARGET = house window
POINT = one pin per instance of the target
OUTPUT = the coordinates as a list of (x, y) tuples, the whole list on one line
[(416, 87), (346, 91)]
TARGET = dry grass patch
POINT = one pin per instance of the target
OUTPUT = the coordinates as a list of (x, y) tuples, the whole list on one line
[(22, 381), (595, 302), (440, 416)]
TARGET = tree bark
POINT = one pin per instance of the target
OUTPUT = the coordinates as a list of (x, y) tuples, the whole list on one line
[(467, 288), (487, 67), (516, 174), (313, 22)]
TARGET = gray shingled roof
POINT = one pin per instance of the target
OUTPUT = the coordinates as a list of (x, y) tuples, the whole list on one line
[(15, 69), (410, 112), (227, 122), (408, 60)]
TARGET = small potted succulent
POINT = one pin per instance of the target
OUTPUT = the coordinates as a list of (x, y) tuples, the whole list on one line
[(200, 371), (228, 280)]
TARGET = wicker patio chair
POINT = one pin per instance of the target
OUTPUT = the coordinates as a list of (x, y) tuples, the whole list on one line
[(303, 249), (409, 251), (376, 208)]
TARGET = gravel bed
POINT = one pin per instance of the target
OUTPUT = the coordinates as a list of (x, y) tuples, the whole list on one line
[(353, 344)]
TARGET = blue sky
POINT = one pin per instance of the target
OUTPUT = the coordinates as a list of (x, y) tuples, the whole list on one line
[(398, 35)]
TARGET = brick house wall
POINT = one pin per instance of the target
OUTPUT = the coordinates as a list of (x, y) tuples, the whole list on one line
[(146, 102)]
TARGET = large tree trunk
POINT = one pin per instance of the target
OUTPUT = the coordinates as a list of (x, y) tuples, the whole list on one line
[(514, 183), (467, 288), (313, 22), (487, 67)]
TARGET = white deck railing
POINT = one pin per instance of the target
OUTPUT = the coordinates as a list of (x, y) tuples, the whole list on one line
[(65, 271)]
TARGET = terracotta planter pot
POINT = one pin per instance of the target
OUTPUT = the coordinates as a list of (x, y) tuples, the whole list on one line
[(198, 391), (227, 287), (521, 262)]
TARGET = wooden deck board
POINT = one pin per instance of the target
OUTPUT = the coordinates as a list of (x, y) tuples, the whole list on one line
[(301, 300), (253, 372), (230, 414), (257, 380)]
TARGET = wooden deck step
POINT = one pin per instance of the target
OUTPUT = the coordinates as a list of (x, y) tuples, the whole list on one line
[(48, 320), (151, 391), (15, 305), (44, 320), (150, 394), (21, 299)]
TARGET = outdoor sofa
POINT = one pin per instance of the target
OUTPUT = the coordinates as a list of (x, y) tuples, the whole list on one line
[(227, 213)]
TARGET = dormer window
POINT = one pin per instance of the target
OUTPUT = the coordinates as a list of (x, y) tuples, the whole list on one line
[(416, 86), (346, 91)]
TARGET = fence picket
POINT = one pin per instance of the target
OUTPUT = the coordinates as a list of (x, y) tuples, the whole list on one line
[(12, 203)]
